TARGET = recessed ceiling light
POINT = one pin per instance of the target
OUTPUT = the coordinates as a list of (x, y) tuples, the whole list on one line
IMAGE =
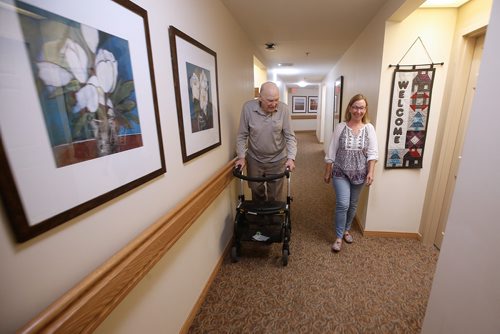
[(302, 83), (285, 64), (443, 3), (286, 70)]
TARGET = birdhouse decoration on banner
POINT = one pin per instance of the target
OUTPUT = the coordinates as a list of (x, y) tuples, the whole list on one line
[(409, 114)]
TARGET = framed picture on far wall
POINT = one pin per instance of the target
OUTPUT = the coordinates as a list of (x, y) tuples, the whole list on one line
[(337, 101), (312, 104), (195, 82), (299, 104)]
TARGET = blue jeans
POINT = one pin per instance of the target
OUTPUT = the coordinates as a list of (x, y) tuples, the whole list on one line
[(347, 196)]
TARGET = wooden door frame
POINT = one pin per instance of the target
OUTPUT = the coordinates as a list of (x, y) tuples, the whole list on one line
[(448, 129)]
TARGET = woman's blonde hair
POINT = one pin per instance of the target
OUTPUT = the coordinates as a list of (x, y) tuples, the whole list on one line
[(356, 98)]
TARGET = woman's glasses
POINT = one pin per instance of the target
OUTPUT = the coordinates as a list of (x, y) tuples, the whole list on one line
[(358, 107)]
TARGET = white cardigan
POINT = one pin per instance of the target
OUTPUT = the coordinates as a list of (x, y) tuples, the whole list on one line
[(371, 152)]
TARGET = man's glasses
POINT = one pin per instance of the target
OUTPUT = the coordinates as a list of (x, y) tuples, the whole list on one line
[(358, 107)]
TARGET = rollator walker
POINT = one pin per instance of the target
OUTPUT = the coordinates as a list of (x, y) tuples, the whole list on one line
[(262, 222)]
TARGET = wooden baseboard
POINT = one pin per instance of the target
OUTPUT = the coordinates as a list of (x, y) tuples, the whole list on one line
[(389, 234), (386, 234)]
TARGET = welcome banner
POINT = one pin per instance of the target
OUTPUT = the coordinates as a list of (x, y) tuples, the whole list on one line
[(409, 115)]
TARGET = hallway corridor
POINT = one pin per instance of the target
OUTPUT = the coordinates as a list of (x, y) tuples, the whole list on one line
[(375, 285)]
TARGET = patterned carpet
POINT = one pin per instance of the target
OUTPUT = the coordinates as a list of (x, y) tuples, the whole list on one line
[(374, 285)]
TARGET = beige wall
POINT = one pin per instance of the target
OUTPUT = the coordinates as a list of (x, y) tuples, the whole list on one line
[(465, 296), (37, 272), (386, 206), (396, 200), (303, 124), (361, 67), (472, 17), (259, 72)]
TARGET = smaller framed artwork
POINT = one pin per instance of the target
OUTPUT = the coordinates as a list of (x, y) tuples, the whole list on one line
[(337, 100), (299, 104), (196, 93), (312, 104)]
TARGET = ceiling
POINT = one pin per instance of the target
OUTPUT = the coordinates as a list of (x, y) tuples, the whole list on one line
[(312, 35), (309, 36)]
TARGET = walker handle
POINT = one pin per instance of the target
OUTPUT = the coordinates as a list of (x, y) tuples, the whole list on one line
[(237, 172)]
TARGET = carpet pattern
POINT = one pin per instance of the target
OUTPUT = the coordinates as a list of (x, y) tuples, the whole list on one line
[(374, 285)]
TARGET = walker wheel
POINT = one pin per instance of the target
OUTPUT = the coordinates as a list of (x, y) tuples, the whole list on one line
[(234, 254), (284, 258)]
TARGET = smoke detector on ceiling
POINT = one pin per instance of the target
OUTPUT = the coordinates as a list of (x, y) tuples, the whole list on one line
[(270, 46)]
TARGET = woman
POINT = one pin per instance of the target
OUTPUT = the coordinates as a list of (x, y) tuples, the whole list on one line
[(350, 161)]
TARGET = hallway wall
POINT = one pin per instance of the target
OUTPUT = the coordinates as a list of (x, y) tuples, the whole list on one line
[(472, 18), (303, 124), (361, 67), (396, 201), (37, 272), (442, 30), (387, 205), (465, 296)]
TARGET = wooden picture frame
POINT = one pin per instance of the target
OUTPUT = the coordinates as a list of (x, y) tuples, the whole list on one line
[(80, 122), (337, 100), (299, 104), (312, 104), (196, 92)]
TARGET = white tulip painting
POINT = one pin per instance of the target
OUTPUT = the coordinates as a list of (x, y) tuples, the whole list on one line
[(85, 85)]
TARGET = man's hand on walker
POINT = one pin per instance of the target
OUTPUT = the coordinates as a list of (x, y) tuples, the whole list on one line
[(290, 164), (240, 162)]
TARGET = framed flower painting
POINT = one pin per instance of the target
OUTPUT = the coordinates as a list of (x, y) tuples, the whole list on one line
[(80, 120), (196, 93)]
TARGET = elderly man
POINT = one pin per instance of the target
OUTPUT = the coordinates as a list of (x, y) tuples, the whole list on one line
[(266, 143)]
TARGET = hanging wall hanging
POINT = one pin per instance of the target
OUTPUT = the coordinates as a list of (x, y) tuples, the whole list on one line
[(409, 109)]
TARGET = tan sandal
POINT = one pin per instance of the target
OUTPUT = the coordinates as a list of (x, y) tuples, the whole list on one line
[(337, 245), (348, 238)]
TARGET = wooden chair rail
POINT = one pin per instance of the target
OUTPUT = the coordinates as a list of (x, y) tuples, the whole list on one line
[(86, 305), (304, 116)]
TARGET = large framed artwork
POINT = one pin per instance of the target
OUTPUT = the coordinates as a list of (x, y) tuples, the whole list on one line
[(337, 100), (408, 117), (299, 104), (79, 119), (196, 92)]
